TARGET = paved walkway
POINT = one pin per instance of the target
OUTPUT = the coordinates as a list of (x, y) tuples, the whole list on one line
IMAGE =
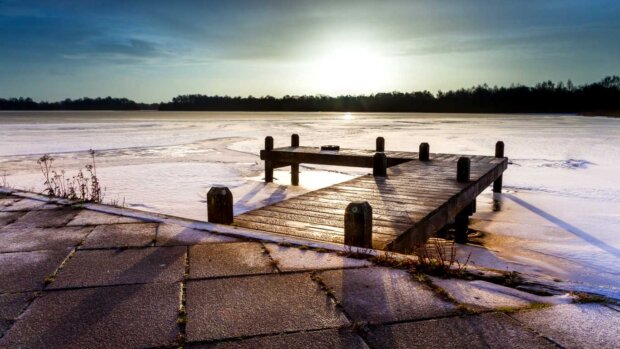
[(76, 278)]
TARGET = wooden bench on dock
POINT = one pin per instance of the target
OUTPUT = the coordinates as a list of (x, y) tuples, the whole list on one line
[(409, 197)]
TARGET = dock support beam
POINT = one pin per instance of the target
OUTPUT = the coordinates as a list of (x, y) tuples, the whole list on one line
[(268, 164), (379, 165), (380, 144), (461, 221), (424, 153), (499, 153), (220, 205), (463, 167), (295, 167), (358, 225)]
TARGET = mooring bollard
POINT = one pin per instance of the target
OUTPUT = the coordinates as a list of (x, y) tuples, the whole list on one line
[(380, 144), (358, 225), (295, 167), (499, 153), (268, 164), (379, 165), (463, 167), (220, 205), (424, 153)]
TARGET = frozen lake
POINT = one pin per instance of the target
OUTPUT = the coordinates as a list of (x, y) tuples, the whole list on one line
[(560, 216)]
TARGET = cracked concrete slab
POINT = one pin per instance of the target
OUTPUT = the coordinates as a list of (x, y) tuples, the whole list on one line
[(26, 271), (336, 338), (121, 235), (575, 325), (35, 239), (234, 307), (483, 295), (291, 259), (44, 219), (134, 316), (238, 258), (492, 330), (378, 295), (114, 267), (89, 217), (176, 235)]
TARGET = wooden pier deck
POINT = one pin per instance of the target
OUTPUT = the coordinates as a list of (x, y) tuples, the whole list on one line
[(411, 203)]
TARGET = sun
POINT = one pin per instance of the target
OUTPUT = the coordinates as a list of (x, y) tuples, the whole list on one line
[(349, 69)]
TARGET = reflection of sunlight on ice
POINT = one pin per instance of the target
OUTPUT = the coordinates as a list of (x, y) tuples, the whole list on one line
[(347, 116)]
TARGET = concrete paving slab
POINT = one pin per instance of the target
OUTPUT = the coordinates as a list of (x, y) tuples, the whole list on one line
[(575, 325), (176, 235), (265, 304), (121, 235), (483, 295), (336, 338), (378, 295), (114, 267), (16, 204), (89, 217), (290, 259), (493, 330), (12, 304), (134, 316), (36, 239), (614, 306), (238, 258), (9, 217), (44, 219), (26, 271)]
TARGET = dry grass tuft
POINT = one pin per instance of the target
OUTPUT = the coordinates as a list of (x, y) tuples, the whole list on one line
[(84, 186)]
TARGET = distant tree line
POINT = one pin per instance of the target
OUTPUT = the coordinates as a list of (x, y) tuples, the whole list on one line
[(107, 103), (545, 97)]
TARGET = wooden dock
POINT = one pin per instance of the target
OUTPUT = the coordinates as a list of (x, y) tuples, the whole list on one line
[(409, 196)]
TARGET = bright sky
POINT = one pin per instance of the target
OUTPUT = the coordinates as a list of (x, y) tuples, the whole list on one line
[(151, 50)]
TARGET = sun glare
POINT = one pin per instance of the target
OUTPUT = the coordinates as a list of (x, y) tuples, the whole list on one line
[(349, 70)]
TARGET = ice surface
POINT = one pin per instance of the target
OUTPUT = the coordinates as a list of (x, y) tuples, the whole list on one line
[(562, 210)]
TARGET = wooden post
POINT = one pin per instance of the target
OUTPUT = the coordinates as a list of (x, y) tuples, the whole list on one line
[(472, 208), (380, 144), (424, 153), (463, 167), (358, 224), (461, 221), (220, 205), (268, 164), (379, 165), (295, 167), (499, 153)]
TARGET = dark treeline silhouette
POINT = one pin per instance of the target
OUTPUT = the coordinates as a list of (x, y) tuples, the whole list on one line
[(99, 103), (545, 97)]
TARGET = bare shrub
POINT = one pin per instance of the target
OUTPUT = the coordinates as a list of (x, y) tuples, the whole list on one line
[(84, 186), (438, 257)]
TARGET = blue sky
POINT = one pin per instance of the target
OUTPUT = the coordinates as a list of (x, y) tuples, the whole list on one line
[(154, 50)]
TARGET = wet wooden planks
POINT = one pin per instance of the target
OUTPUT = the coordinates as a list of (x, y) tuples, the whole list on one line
[(412, 203)]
